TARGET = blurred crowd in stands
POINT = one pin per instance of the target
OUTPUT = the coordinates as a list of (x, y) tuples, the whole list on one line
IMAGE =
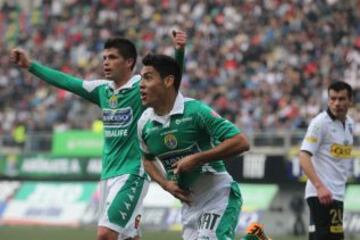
[(263, 64)]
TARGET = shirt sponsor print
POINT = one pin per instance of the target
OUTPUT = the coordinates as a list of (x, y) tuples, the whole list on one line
[(340, 151), (121, 117), (311, 139)]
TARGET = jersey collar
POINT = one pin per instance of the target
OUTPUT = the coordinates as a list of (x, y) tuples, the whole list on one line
[(127, 85), (178, 108), (331, 115)]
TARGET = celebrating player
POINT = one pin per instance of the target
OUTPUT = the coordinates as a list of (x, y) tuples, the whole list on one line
[(190, 140), (123, 180)]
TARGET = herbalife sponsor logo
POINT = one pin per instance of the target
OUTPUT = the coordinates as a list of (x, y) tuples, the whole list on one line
[(116, 133)]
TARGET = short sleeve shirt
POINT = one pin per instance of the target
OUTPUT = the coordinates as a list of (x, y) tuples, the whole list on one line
[(190, 127), (330, 142)]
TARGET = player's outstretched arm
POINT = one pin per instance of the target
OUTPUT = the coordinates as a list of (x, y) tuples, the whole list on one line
[(56, 78)]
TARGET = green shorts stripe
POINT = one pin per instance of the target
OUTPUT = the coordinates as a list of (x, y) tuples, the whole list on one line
[(229, 221), (125, 201)]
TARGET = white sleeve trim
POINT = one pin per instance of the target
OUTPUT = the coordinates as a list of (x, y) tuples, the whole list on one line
[(140, 126), (91, 85)]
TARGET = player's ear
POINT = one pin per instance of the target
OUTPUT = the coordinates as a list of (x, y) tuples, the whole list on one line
[(130, 62), (169, 81)]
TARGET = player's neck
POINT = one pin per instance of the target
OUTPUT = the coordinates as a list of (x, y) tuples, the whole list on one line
[(166, 105), (123, 80)]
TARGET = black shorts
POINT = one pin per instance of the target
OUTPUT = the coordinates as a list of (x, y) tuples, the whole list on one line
[(326, 221)]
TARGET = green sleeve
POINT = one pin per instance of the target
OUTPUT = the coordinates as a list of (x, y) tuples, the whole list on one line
[(216, 126), (63, 81), (179, 57)]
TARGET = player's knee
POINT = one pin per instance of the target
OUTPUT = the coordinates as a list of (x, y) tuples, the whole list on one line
[(106, 234)]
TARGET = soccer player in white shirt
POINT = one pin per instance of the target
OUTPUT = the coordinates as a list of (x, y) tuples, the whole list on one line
[(325, 158)]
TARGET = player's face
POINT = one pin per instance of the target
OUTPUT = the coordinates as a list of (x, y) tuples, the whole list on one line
[(339, 103), (151, 87), (114, 65)]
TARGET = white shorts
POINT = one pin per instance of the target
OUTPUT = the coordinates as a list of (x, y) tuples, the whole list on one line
[(121, 206), (215, 210)]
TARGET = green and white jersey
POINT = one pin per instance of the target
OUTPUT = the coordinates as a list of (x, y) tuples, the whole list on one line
[(190, 127), (121, 109)]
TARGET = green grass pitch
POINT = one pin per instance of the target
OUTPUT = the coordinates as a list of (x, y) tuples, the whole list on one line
[(58, 233), (82, 233)]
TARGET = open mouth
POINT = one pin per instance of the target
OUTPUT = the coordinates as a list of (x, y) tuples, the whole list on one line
[(107, 71), (143, 96)]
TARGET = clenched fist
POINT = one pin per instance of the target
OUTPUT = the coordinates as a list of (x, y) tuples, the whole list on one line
[(20, 58)]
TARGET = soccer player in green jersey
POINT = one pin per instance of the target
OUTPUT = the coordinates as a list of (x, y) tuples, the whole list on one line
[(123, 180), (190, 140)]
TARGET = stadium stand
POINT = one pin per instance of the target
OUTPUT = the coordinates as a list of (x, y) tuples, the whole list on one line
[(265, 65)]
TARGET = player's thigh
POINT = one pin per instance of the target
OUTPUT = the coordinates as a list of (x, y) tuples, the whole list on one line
[(123, 205), (219, 218), (326, 221)]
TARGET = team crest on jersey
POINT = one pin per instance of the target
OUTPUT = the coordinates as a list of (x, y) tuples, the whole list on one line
[(113, 100), (170, 141)]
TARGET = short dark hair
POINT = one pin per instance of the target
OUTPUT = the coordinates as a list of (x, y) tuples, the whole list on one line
[(124, 46), (165, 65), (339, 86)]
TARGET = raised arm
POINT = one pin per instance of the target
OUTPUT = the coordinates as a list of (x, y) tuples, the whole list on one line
[(179, 40)]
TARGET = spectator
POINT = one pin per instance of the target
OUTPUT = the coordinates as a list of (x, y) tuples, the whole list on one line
[(262, 64)]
